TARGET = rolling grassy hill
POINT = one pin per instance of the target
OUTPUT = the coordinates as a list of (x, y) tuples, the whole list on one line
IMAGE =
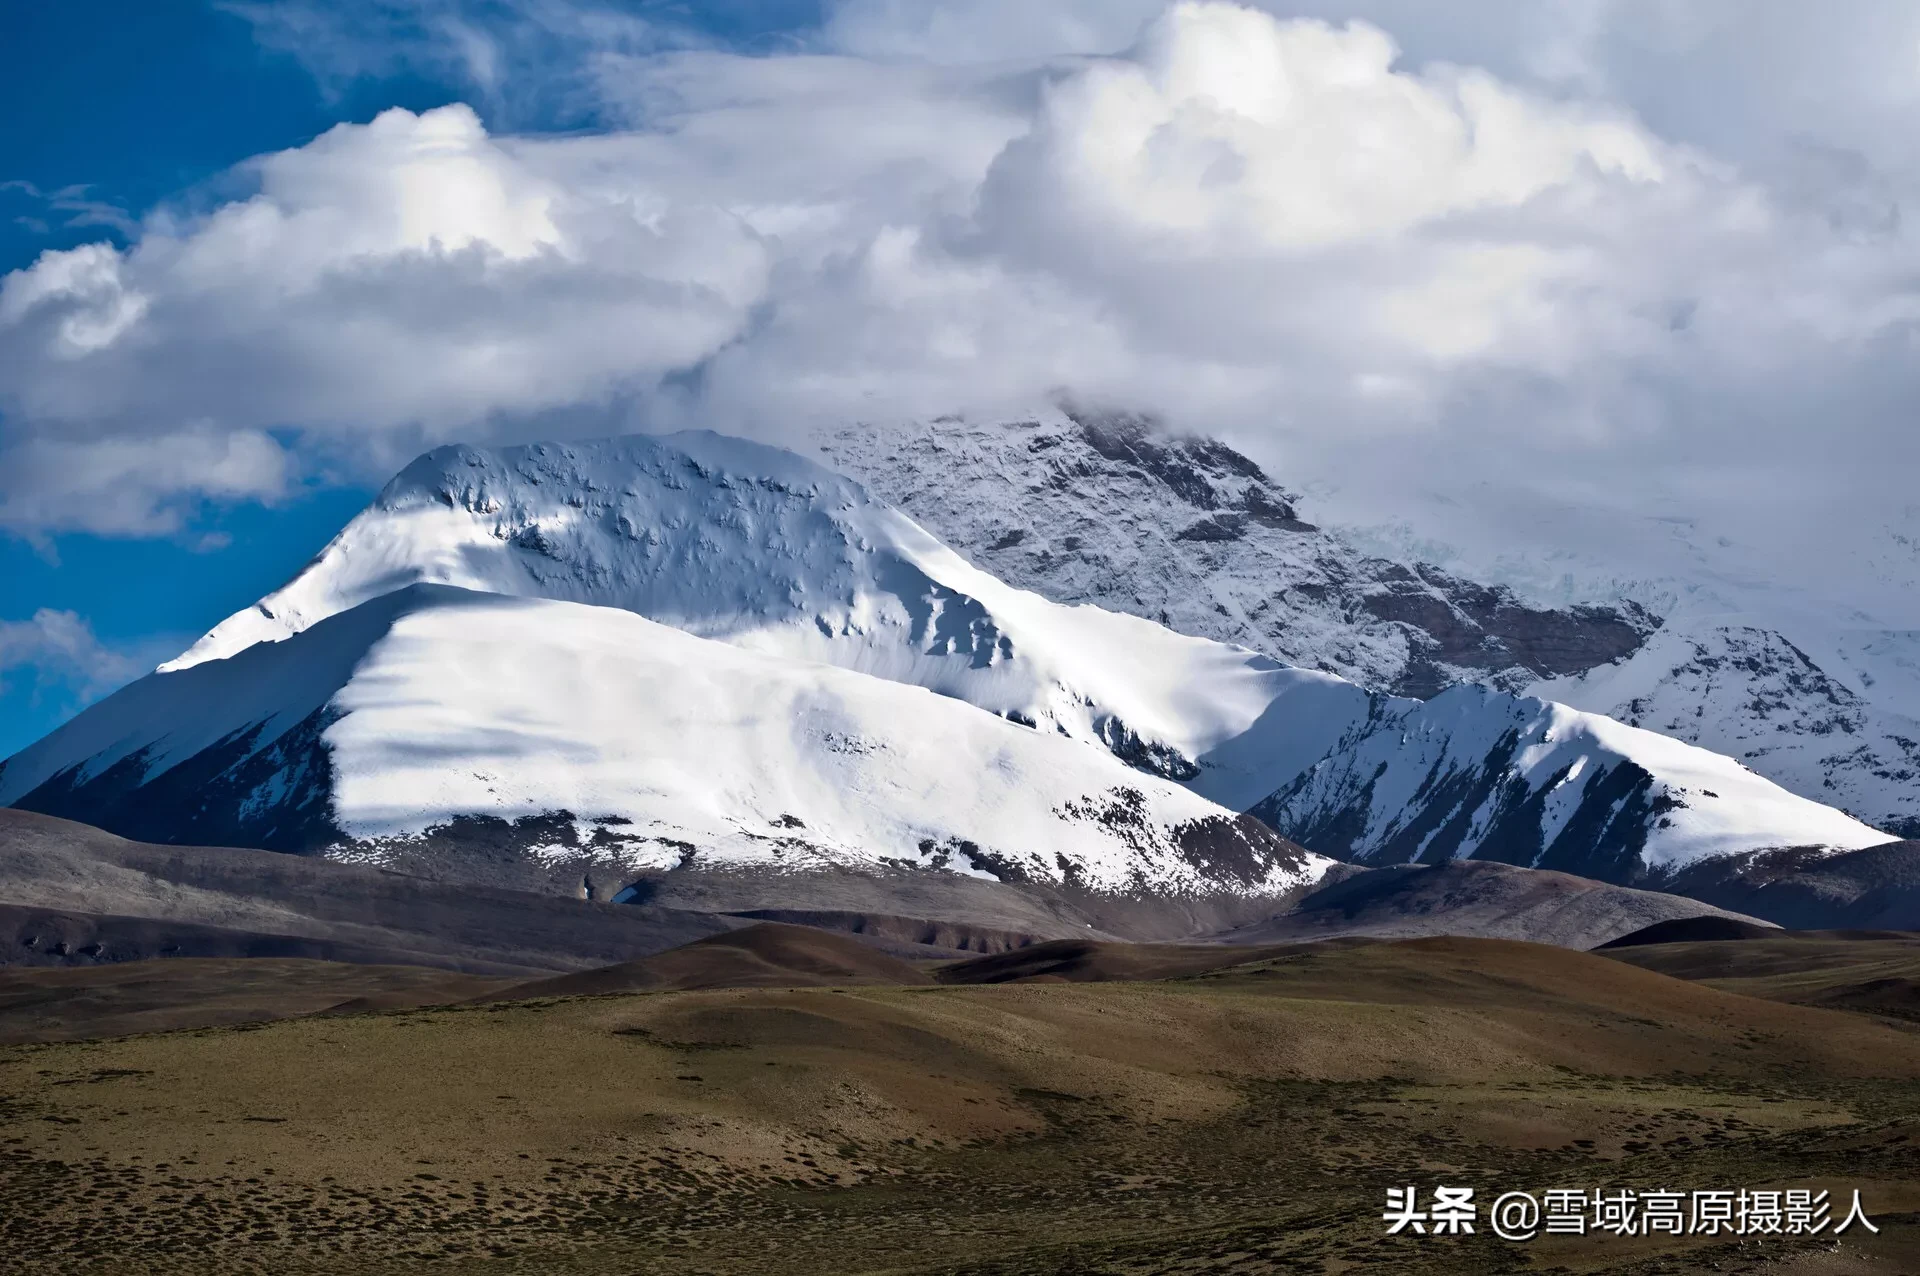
[(1246, 1118)]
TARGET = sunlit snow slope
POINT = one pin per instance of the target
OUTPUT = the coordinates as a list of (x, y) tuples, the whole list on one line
[(1826, 709), (432, 705), (1525, 781)]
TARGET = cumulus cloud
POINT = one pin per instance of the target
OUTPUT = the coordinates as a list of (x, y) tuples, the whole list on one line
[(1488, 270), (391, 283), (1753, 80)]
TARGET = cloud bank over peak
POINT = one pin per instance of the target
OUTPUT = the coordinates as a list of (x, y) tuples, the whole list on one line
[(1238, 131), (1509, 272)]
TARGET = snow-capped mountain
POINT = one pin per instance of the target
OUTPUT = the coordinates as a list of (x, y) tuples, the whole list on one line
[(1478, 772), (1829, 726), (762, 549), (388, 691), (1110, 510), (593, 735)]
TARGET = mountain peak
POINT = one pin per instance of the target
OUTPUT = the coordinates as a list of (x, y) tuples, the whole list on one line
[(688, 527), (692, 638), (768, 551), (1113, 509)]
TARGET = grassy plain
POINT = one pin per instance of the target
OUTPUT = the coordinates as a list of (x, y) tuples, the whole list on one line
[(1241, 1120)]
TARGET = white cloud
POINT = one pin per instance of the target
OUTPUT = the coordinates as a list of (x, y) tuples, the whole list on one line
[(1512, 269), (1231, 129), (85, 286), (134, 484), (59, 649), (391, 283)]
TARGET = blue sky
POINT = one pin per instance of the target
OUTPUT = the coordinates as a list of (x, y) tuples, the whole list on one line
[(137, 102), (126, 104)]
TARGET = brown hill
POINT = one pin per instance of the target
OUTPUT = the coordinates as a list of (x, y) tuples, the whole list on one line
[(764, 955), (40, 937), (1092, 961), (1480, 898), (1248, 1118), (74, 1003), (1687, 930), (107, 899), (1877, 888), (1874, 972)]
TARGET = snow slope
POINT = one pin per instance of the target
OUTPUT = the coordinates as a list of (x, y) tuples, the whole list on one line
[(1109, 510), (1819, 712), (1476, 772), (432, 705)]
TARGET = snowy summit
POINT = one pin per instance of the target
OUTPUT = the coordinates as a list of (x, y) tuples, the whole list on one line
[(695, 651)]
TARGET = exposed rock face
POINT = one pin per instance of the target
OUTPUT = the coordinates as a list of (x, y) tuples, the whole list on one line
[(240, 792), (1462, 626), (1109, 509), (1488, 808)]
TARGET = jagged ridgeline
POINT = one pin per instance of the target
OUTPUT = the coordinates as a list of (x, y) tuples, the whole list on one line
[(692, 651), (1111, 509)]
